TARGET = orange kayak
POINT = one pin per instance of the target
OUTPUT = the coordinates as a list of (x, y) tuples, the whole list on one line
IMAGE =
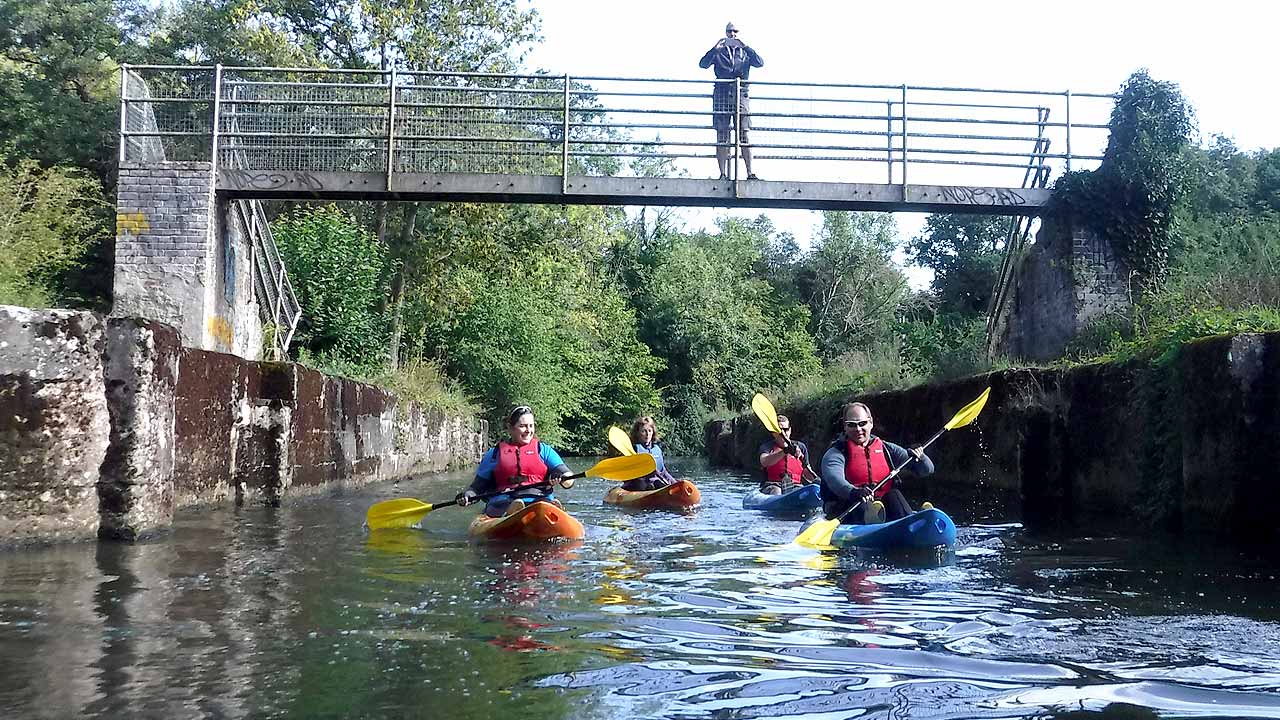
[(677, 496), (537, 521)]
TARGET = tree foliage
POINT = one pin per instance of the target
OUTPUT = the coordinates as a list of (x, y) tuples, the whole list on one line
[(964, 253), (47, 218), (852, 285), (1130, 199), (455, 35), (337, 271)]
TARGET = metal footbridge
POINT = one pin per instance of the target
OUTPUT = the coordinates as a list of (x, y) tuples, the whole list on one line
[(295, 133)]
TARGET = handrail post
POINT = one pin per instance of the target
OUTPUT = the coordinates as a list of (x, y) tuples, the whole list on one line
[(904, 138), (888, 139), (217, 116), (737, 130), (391, 126), (1068, 131), (564, 141), (124, 109)]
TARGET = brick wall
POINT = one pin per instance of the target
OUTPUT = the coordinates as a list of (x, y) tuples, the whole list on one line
[(164, 222), (1069, 279)]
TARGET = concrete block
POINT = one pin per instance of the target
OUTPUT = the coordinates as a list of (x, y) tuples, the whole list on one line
[(54, 424), (136, 483)]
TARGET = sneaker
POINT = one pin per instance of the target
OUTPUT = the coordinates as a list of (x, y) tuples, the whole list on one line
[(724, 177), (753, 176)]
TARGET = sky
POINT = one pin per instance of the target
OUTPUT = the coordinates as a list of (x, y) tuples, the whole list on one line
[(1221, 54)]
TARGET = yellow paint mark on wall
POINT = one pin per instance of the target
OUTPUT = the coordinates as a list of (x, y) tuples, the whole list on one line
[(221, 331), (132, 223)]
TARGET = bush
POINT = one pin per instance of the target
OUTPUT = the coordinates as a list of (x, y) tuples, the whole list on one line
[(47, 219), (337, 270)]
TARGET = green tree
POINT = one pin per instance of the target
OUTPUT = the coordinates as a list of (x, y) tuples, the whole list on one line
[(964, 253), (718, 325), (547, 333), (59, 78), (47, 219), (852, 284), (457, 35), (336, 269)]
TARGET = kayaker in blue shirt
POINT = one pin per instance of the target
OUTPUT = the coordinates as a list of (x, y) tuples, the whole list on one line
[(517, 464), (857, 460), (644, 435), (785, 461)]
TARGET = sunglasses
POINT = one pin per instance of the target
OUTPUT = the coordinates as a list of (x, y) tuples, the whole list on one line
[(856, 423)]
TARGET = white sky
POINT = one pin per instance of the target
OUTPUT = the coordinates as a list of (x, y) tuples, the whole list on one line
[(1222, 54)]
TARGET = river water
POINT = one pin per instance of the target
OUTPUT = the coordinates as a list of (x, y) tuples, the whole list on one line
[(298, 612)]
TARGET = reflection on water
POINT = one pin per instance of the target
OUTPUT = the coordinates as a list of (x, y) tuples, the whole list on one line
[(297, 612)]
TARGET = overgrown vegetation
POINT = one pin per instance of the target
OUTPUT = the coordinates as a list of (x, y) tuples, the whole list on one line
[(48, 217), (1130, 200), (590, 314)]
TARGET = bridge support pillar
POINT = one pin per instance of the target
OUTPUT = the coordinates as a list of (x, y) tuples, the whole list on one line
[(1070, 279), (183, 259)]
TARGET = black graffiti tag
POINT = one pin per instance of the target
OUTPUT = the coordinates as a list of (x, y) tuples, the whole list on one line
[(982, 196), (252, 180)]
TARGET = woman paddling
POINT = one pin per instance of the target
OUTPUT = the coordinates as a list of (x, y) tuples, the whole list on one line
[(858, 460), (521, 468), (644, 435)]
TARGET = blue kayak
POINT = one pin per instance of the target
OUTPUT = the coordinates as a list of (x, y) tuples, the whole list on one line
[(803, 498), (921, 529)]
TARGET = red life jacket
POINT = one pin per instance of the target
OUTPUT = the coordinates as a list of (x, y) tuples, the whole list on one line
[(788, 464), (867, 466), (519, 464)]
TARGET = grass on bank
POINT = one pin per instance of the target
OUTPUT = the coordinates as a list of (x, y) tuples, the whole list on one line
[(419, 380)]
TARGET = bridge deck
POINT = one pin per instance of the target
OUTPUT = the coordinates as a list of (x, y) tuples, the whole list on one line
[(296, 133), (588, 190)]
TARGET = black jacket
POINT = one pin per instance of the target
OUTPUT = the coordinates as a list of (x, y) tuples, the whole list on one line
[(732, 60)]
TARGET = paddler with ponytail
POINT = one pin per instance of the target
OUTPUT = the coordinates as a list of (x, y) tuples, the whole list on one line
[(857, 460), (521, 463), (785, 461)]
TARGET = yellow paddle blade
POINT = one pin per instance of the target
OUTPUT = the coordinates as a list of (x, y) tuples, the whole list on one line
[(818, 535), (621, 441), (398, 513), (969, 412), (627, 467), (766, 412)]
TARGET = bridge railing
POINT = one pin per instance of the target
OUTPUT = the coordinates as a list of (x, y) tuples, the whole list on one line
[(406, 122)]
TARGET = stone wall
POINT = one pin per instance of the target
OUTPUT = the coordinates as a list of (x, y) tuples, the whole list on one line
[(1069, 279), (107, 427), (1128, 448)]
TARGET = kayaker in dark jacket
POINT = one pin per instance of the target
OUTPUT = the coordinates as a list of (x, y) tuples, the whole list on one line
[(785, 461), (644, 436), (521, 467), (857, 460)]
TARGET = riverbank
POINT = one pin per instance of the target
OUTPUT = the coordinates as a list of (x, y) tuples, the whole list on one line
[(108, 425), (1184, 443)]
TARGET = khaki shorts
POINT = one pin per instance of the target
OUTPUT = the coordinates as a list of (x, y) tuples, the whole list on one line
[(723, 111)]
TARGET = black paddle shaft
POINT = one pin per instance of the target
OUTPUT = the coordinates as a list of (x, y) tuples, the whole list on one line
[(537, 483)]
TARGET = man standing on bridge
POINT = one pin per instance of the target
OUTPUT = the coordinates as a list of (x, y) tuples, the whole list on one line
[(731, 59)]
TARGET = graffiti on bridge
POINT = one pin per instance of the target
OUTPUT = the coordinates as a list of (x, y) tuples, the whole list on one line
[(272, 180), (983, 196)]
